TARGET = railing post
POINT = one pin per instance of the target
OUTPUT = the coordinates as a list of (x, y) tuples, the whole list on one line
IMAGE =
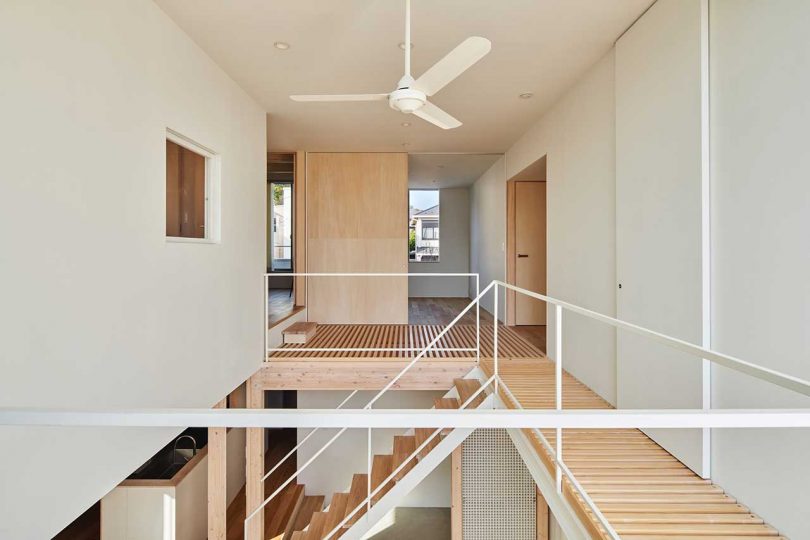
[(368, 476), (477, 319), (266, 313), (558, 388), (495, 339)]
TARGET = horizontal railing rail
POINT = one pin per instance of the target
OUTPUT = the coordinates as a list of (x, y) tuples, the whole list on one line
[(766, 374)]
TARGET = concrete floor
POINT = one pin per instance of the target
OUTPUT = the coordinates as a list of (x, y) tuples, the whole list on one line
[(410, 523)]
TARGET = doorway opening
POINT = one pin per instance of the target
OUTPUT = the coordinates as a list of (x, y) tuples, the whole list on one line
[(526, 251), (281, 172)]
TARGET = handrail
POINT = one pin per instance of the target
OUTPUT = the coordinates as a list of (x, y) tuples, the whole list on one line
[(766, 374), (407, 460)]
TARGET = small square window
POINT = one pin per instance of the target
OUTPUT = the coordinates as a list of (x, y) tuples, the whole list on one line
[(190, 182)]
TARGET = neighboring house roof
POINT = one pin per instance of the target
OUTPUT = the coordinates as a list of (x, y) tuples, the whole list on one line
[(430, 212), (412, 211)]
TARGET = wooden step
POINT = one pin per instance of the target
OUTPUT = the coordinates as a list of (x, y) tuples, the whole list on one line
[(381, 467), (423, 434), (289, 500), (308, 507), (404, 446), (690, 529), (315, 529), (446, 403), (337, 511), (466, 388), (297, 535), (357, 494)]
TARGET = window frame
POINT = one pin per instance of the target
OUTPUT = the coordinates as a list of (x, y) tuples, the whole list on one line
[(213, 170)]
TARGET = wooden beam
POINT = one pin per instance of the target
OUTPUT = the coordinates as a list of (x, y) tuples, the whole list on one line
[(217, 480), (456, 515), (323, 374), (542, 517), (254, 469)]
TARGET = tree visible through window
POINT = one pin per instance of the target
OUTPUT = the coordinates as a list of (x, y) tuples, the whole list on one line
[(423, 225)]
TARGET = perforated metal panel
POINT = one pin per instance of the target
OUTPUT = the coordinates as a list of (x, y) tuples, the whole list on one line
[(498, 493)]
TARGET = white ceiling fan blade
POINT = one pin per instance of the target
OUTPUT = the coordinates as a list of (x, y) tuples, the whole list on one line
[(341, 97), (436, 116), (457, 61)]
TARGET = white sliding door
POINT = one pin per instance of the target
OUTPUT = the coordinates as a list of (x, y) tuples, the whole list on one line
[(660, 236)]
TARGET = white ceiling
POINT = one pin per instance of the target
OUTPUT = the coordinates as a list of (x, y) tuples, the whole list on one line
[(351, 46), (447, 170)]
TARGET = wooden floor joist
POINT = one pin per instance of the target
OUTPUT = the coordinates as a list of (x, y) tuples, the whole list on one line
[(644, 492)]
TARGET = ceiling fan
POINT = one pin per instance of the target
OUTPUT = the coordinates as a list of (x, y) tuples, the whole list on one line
[(410, 96)]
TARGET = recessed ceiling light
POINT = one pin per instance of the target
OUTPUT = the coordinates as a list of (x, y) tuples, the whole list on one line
[(402, 45), (440, 166), (406, 144), (525, 95), (281, 45), (405, 124)]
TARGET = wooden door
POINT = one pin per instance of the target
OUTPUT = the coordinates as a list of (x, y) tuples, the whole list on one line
[(530, 251)]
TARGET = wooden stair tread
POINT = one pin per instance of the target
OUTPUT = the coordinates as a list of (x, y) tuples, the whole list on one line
[(357, 493), (337, 511), (289, 500), (315, 529), (466, 388), (423, 434), (404, 447), (381, 468), (446, 403), (308, 507)]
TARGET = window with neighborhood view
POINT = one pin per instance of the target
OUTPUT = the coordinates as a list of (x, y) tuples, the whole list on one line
[(423, 225)]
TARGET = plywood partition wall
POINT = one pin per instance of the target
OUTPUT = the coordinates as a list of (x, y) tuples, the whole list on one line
[(356, 221)]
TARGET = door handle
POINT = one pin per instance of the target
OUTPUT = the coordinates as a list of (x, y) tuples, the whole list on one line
[(522, 255)]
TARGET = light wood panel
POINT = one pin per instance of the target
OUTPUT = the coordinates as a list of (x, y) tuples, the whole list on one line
[(357, 222), (217, 480), (645, 492), (300, 230)]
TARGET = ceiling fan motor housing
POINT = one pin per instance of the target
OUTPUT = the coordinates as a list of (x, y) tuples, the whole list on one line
[(407, 100)]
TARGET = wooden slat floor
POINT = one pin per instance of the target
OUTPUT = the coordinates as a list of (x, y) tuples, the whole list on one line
[(644, 492), (413, 336)]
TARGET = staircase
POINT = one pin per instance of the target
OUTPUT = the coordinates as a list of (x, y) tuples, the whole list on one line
[(297, 516)]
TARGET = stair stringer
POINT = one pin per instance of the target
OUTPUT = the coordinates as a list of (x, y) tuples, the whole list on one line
[(424, 466)]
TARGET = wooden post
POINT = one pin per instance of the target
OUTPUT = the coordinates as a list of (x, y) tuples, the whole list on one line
[(456, 517), (217, 481), (542, 517), (254, 469)]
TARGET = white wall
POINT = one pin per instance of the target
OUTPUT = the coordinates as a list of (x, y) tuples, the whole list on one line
[(99, 309), (333, 470), (577, 135), (488, 231), (659, 204), (454, 249), (760, 82)]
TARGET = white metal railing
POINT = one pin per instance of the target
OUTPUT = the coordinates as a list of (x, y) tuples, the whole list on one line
[(786, 381), (477, 349), (521, 418), (430, 347)]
